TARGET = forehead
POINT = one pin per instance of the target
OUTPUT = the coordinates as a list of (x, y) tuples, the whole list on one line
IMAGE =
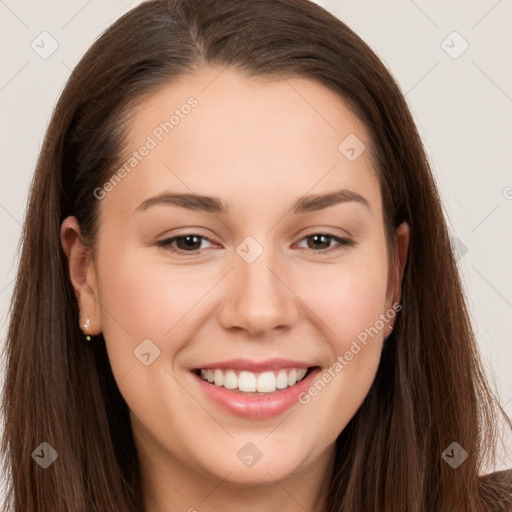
[(251, 140)]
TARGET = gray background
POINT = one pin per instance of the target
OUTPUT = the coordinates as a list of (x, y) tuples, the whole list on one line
[(461, 100)]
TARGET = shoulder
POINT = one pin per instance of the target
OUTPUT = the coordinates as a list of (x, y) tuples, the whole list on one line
[(504, 476), (496, 483)]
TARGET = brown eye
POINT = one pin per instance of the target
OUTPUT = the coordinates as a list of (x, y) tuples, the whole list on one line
[(321, 242), (189, 242)]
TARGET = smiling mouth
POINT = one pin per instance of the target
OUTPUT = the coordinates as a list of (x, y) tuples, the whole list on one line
[(254, 383)]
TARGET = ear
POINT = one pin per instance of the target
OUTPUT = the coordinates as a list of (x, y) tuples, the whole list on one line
[(399, 259), (82, 273)]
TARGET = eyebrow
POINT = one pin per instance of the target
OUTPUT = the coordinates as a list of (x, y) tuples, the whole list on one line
[(210, 204)]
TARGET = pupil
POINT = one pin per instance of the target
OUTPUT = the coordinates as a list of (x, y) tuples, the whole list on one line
[(189, 240), (317, 237)]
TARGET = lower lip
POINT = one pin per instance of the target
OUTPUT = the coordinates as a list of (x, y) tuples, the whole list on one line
[(256, 406)]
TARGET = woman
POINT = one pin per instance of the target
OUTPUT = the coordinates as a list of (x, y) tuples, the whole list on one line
[(237, 288)]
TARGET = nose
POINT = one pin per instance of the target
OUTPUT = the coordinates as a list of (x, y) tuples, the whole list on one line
[(258, 296)]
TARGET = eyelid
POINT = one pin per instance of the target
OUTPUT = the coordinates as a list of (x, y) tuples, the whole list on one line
[(342, 242), (167, 241)]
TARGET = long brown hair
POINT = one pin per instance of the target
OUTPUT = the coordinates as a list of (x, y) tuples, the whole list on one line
[(430, 389)]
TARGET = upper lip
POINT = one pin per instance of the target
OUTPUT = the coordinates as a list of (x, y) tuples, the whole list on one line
[(255, 366)]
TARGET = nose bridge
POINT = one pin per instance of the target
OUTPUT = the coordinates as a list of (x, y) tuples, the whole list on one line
[(258, 299)]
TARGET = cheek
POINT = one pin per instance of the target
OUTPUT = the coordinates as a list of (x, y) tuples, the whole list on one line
[(145, 297), (143, 301), (347, 298), (149, 299), (350, 308)]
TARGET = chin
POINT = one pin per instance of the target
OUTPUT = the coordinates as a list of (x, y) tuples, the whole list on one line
[(248, 465)]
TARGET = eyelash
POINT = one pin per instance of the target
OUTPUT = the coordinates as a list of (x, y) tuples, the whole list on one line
[(343, 242)]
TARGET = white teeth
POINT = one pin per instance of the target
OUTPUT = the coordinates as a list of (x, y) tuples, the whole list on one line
[(265, 382), (218, 377), (247, 381), (230, 380), (282, 379), (292, 377)]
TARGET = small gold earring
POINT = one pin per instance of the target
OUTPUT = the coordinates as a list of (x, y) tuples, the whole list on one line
[(86, 325)]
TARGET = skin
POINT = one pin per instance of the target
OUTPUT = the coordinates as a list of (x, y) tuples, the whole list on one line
[(259, 146)]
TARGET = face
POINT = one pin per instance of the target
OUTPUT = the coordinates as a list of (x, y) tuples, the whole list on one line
[(217, 260)]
